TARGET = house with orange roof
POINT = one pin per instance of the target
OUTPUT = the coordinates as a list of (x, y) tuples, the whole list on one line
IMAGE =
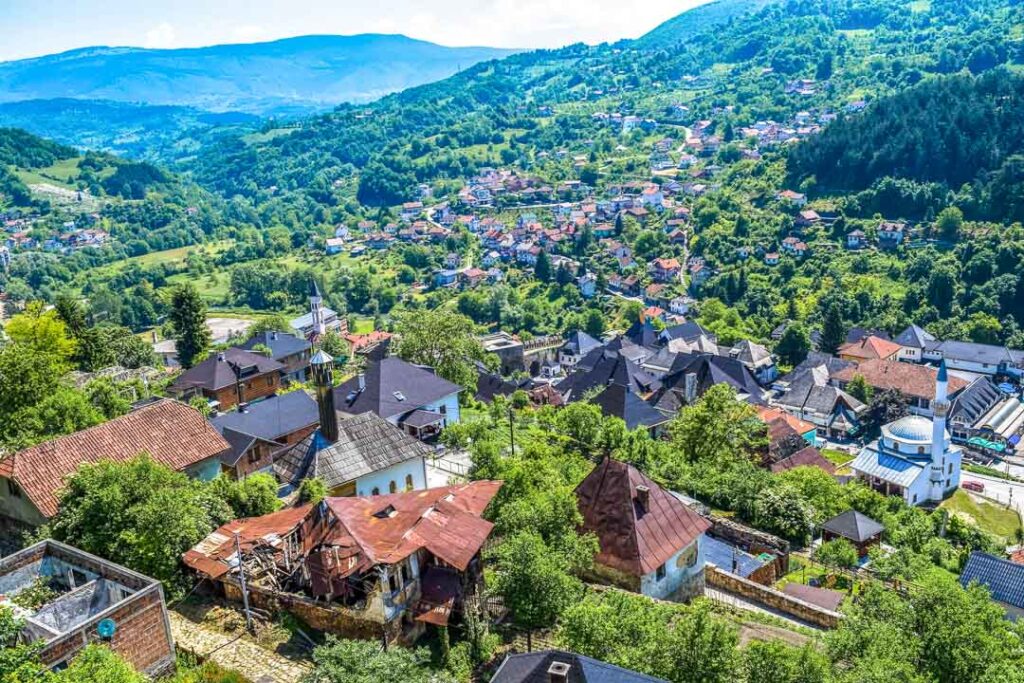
[(870, 348)]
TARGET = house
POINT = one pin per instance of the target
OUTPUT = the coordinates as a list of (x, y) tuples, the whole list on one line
[(445, 278), (618, 400), (807, 218), (869, 348), (913, 341), (915, 383), (891, 235), (771, 258), (372, 567), (230, 377), (406, 395), (364, 455), (680, 305), (490, 258), (320, 319), (85, 591), (588, 285), (334, 245), (259, 430), (856, 239), (807, 394), (981, 359), (649, 540), (665, 269), (757, 359), (806, 430), (578, 345), (791, 197), (860, 530), (614, 363), (987, 419), (794, 246), (808, 456), (559, 666), (471, 277), (171, 433), (287, 349), (914, 458), (690, 375), (1003, 579)]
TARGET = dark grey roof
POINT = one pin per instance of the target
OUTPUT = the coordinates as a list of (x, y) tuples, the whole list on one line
[(222, 369), (854, 526), (708, 370), (605, 366), (533, 668), (616, 400), (580, 343), (1004, 579), (240, 443), (858, 333), (914, 337), (272, 419), (971, 404), (366, 443), (393, 387), (817, 359), (971, 352), (489, 385), (281, 344), (687, 331), (643, 334)]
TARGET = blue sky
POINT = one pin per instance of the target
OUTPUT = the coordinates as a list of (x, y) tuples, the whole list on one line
[(36, 27)]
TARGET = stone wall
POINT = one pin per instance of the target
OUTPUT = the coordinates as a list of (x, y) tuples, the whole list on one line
[(770, 597)]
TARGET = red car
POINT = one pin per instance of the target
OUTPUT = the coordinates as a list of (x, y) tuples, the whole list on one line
[(971, 485)]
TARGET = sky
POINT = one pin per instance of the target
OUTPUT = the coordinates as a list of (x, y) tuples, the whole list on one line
[(35, 27)]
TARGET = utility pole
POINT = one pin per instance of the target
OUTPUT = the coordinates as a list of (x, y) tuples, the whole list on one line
[(245, 592)]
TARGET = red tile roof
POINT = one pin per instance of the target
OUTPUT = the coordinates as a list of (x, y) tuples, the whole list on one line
[(171, 432), (634, 540), (869, 348), (908, 378)]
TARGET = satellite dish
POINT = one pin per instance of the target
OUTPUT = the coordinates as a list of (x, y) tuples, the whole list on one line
[(106, 629)]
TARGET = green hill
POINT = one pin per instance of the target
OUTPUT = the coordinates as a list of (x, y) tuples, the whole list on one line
[(696, 21)]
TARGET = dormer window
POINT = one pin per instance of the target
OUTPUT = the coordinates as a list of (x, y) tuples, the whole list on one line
[(399, 396)]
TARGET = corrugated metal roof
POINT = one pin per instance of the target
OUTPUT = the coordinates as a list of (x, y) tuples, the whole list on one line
[(886, 467), (1004, 579)]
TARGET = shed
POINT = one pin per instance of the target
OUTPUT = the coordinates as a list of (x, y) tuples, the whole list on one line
[(860, 530)]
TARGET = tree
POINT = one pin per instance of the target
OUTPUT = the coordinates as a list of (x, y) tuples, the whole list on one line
[(593, 323), (718, 426), (254, 496), (137, 513), (42, 331), (442, 340), (542, 269), (833, 333), (99, 664), (363, 661), (270, 323), (774, 662), (188, 317), (949, 222), (860, 389), (837, 554), (18, 662), (794, 345), (885, 407), (535, 582)]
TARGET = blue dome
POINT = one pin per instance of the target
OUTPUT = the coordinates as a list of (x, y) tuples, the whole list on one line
[(910, 428)]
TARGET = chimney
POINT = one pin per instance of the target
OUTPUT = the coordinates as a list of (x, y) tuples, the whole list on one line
[(558, 672), (643, 497), (690, 387), (322, 365), (362, 381), (221, 357)]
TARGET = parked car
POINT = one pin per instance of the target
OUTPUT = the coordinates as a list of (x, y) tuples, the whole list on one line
[(972, 485)]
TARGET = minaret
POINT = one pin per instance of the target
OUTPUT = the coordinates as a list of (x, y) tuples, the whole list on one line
[(940, 406), (323, 376), (316, 308)]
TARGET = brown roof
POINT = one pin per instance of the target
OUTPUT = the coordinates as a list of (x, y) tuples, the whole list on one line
[(822, 597), (805, 457), (908, 378), (869, 348), (172, 433), (633, 539), (769, 414)]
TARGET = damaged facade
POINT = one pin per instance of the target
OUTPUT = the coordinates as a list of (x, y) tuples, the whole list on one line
[(373, 567), (83, 591)]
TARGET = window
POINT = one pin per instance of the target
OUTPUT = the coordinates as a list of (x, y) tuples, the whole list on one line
[(920, 450), (659, 573), (950, 469), (404, 569), (13, 489), (915, 498), (408, 482), (375, 491), (392, 487)]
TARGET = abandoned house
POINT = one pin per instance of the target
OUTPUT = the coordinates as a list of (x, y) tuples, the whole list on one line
[(69, 599), (650, 541), (371, 567)]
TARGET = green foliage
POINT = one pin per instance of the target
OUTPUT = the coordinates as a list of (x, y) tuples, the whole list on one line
[(188, 317), (362, 661), (98, 664), (837, 554), (139, 514), (253, 496), (441, 340), (860, 389), (312, 490), (794, 345)]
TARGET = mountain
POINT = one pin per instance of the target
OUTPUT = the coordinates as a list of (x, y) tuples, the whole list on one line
[(136, 131), (290, 76), (699, 19)]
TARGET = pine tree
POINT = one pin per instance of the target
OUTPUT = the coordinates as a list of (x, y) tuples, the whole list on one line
[(833, 334), (188, 315), (543, 268)]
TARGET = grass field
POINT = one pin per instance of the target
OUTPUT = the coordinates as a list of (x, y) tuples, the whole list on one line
[(836, 457), (991, 517)]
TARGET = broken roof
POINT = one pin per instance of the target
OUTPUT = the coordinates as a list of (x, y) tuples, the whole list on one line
[(170, 432), (634, 539)]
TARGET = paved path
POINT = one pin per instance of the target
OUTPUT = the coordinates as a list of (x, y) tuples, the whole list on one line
[(257, 664)]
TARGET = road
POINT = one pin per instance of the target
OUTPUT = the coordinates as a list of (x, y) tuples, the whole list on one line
[(1000, 490)]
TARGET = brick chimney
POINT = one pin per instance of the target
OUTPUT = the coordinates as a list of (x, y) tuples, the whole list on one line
[(558, 672), (643, 497)]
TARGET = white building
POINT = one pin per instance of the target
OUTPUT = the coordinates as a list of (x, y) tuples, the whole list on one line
[(915, 457)]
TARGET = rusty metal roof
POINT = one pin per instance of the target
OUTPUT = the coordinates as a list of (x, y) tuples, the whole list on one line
[(212, 555), (634, 539)]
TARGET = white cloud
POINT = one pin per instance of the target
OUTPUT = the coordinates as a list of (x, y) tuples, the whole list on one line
[(160, 36), (248, 33)]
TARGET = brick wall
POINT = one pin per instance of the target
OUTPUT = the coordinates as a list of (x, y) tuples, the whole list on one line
[(770, 597), (143, 636)]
